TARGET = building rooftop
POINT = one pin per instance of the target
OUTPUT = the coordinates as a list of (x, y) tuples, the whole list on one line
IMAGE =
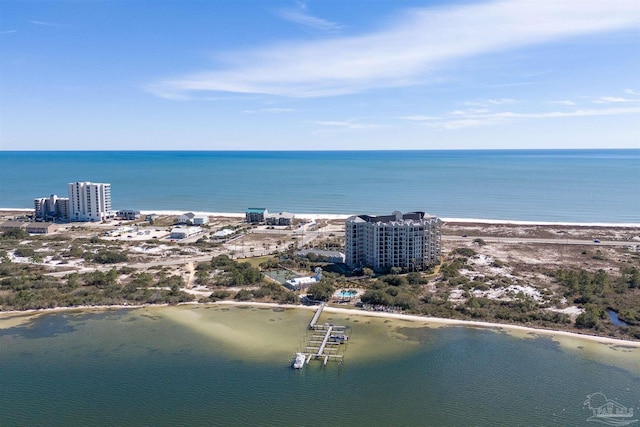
[(397, 216)]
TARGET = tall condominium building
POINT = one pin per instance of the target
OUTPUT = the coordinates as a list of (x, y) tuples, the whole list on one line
[(411, 241), (52, 207), (89, 201)]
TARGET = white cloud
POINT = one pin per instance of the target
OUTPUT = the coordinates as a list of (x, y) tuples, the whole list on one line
[(489, 102), (406, 52), (565, 102), (8, 31), (454, 121), (345, 125), (43, 23), (614, 100), (420, 118), (298, 16), (269, 110)]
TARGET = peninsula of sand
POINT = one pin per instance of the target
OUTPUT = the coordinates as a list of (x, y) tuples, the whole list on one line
[(508, 274)]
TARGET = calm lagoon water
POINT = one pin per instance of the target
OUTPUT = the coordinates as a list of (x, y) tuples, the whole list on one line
[(211, 365)]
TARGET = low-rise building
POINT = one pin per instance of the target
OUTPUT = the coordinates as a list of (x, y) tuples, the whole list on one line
[(280, 218), (12, 225), (256, 215), (298, 283), (200, 220), (182, 232), (192, 218), (223, 233), (128, 214), (41, 228), (327, 256)]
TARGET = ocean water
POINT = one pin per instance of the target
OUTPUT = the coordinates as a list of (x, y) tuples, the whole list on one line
[(543, 185), (230, 366)]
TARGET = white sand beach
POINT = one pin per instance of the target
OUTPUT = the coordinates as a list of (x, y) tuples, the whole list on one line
[(7, 317), (437, 321), (326, 216)]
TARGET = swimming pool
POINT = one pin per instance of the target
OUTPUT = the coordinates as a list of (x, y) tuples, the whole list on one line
[(347, 294)]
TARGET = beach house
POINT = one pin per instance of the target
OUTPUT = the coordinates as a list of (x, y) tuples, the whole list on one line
[(280, 218), (193, 219), (256, 215)]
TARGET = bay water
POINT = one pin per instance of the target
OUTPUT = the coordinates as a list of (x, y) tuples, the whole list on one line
[(216, 365)]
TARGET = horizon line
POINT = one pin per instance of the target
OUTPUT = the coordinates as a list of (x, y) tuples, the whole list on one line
[(240, 150)]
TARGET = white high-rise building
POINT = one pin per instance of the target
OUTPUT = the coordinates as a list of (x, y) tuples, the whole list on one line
[(52, 207), (89, 201), (411, 241)]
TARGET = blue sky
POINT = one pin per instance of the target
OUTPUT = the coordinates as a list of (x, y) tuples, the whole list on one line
[(319, 75)]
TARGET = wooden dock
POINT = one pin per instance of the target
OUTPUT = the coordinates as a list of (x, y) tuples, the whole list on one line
[(326, 342), (316, 316)]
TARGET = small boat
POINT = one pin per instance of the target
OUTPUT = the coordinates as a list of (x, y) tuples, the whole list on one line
[(298, 363), (339, 338)]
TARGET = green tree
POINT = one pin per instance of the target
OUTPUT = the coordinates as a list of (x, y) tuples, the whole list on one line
[(141, 280), (396, 270), (72, 280), (415, 278), (376, 297), (202, 277), (243, 295), (589, 319), (24, 252), (395, 280), (321, 291), (219, 295), (15, 233)]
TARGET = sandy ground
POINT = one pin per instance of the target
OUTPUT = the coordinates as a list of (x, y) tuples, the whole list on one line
[(7, 317), (523, 267)]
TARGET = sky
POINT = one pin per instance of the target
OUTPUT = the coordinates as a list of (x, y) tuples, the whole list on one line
[(319, 75)]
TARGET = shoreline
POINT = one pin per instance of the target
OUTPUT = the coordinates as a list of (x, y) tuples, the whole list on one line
[(327, 216), (440, 321)]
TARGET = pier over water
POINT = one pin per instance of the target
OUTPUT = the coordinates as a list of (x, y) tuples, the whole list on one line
[(316, 316), (326, 342)]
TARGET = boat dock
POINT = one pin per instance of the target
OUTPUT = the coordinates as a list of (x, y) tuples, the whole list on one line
[(314, 320), (326, 342)]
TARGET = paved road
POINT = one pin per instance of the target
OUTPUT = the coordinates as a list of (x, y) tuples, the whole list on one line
[(524, 240), (309, 236)]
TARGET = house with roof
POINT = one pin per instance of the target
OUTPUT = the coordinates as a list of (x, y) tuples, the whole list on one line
[(193, 219), (12, 225), (256, 215), (280, 218), (221, 234), (128, 214), (41, 228), (182, 232)]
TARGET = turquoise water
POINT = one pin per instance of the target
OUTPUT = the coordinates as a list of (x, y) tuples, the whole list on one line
[(197, 366), (346, 294), (545, 185)]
